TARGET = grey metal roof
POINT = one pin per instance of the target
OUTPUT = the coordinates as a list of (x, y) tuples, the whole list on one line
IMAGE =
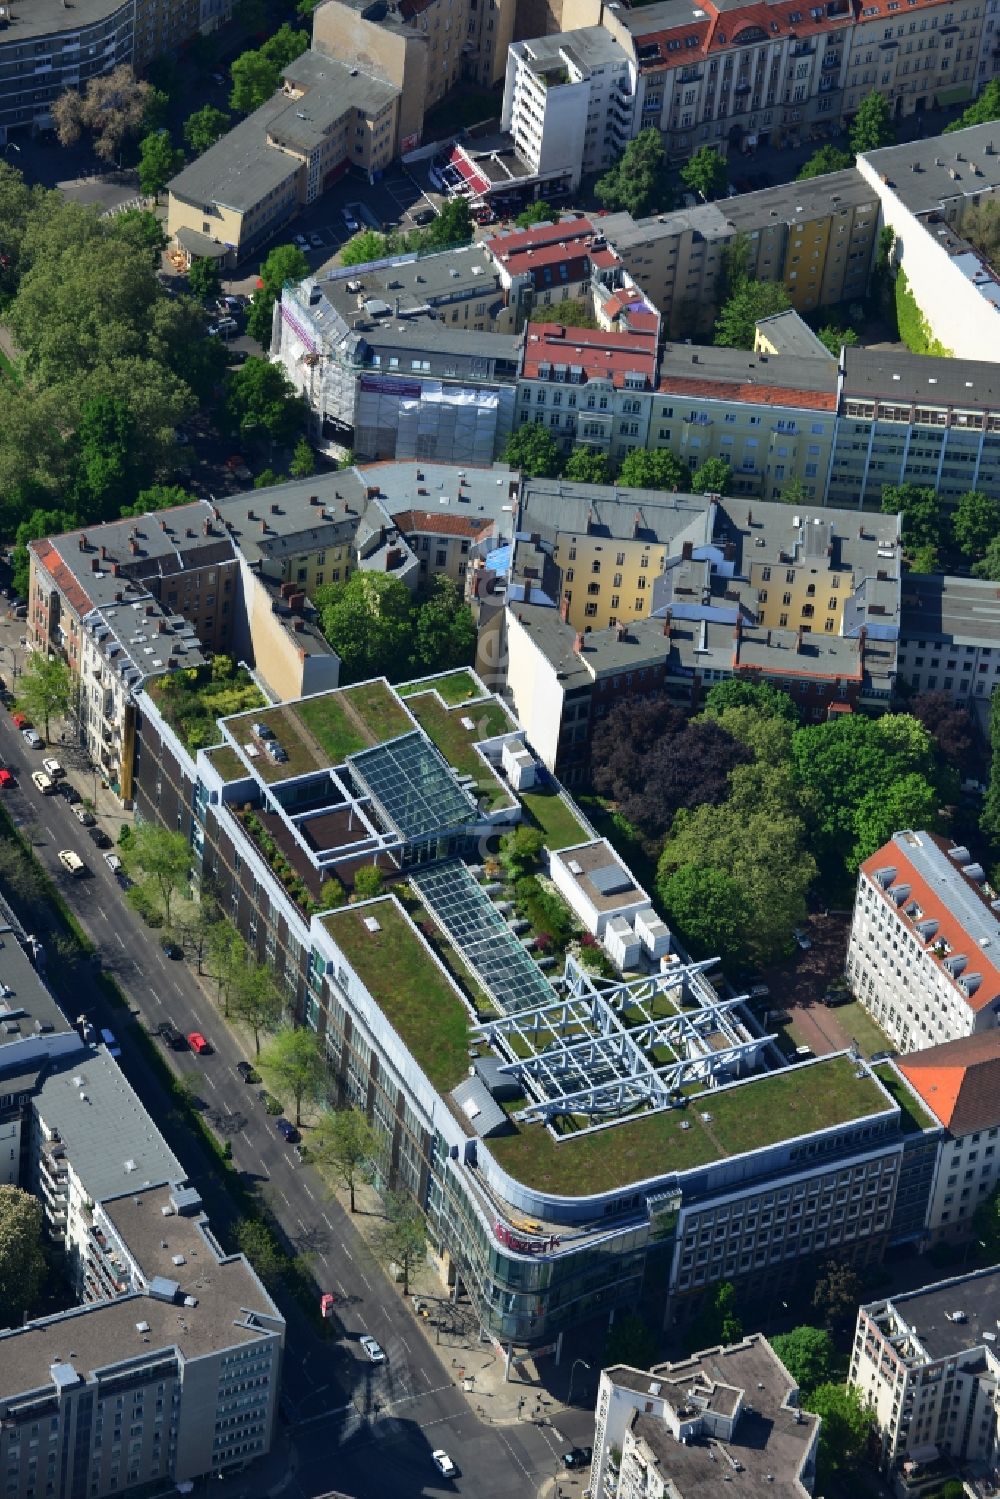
[(416, 284), (929, 1312), (705, 362), (477, 1105), (112, 1142), (27, 1009), (890, 375), (587, 46), (920, 172), (240, 169), (556, 505), (965, 610), (795, 202), (31, 19), (788, 333)]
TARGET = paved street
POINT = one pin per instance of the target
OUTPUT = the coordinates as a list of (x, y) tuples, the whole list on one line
[(333, 1398)]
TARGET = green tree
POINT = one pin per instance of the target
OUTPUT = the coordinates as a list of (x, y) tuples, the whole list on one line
[(159, 160), (367, 245), (989, 564), (157, 497), (713, 477), (793, 492), (256, 75), (826, 159), (847, 1425), (39, 524), (45, 689), (285, 263), (872, 126), (536, 213), (226, 954), (925, 559), (734, 266), (204, 127), (921, 512), (452, 226), (521, 851), (161, 858), (629, 1342), (718, 1320), (767, 701), (985, 107), (834, 338), (256, 1000), (838, 1294), (292, 1064), (303, 463), (990, 819), (261, 398), (257, 1241), (445, 634), (369, 622), (534, 451), (368, 882), (204, 278), (22, 1262), (975, 522), (705, 172), (403, 1239), (266, 479), (345, 1143), (706, 906), (736, 325), (142, 230), (104, 440), (808, 1354), (986, 1226), (638, 183), (661, 469), (587, 466)]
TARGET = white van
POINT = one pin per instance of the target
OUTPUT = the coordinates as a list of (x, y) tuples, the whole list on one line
[(71, 861), (42, 782)]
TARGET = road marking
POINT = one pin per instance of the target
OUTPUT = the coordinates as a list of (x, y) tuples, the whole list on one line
[(405, 1344), (209, 1081), (422, 1395), (326, 1220), (348, 1253), (308, 1191), (118, 935), (364, 1278), (284, 1198), (340, 1285), (513, 1454)]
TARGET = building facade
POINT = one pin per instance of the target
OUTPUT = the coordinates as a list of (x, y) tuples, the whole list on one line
[(927, 1363), (950, 638), (921, 955)]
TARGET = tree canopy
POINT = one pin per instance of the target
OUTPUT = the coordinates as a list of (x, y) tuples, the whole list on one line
[(368, 621), (159, 160), (257, 74), (642, 469), (735, 327), (534, 451), (112, 107), (536, 213), (768, 701), (587, 466), (45, 689), (975, 522), (921, 511), (205, 126), (284, 263), (714, 476), (982, 110), (872, 126), (847, 1425), (345, 1142), (445, 634), (292, 1065), (826, 159), (160, 860), (452, 226), (705, 172), (638, 182), (808, 1354), (261, 398), (22, 1262)]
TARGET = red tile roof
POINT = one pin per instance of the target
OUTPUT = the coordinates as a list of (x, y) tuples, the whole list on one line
[(441, 525), (959, 1081), (567, 242), (537, 236), (599, 354), (719, 30), (62, 576), (745, 390), (933, 908)]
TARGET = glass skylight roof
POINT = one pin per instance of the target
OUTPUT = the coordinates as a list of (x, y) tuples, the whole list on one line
[(413, 787), (483, 937)]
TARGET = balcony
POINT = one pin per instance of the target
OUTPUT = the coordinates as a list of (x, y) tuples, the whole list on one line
[(830, 62)]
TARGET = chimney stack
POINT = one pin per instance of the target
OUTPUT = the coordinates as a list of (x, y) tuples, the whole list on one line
[(82, 543), (133, 546), (104, 553), (666, 624), (564, 609), (799, 635), (687, 551), (578, 643)]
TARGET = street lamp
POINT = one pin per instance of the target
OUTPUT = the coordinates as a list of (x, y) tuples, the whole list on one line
[(572, 1376)]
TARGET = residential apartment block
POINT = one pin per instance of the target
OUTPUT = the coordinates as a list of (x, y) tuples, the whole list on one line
[(924, 950), (540, 1225), (950, 638), (666, 1432), (958, 1082), (807, 603), (327, 116), (927, 1362), (169, 1368)]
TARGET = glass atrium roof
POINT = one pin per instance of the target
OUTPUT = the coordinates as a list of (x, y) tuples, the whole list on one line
[(412, 786)]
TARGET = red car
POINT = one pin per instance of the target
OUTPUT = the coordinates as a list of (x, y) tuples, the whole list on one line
[(197, 1043), (21, 720), (6, 779), (326, 1304)]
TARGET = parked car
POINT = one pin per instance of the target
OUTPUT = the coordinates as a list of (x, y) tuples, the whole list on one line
[(170, 947), (43, 783), (198, 1044), (31, 739), (68, 792), (21, 720), (247, 1073), (327, 1302), (72, 862), (882, 1056), (316, 240), (350, 220), (83, 815), (443, 1463), (759, 991), (577, 1457), (53, 768), (114, 1050), (100, 837), (169, 1034), (6, 779), (373, 1348), (425, 216), (834, 997), (113, 862), (224, 327), (301, 241), (804, 942), (286, 1129)]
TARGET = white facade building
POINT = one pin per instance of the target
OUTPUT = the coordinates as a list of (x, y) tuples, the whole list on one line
[(924, 950)]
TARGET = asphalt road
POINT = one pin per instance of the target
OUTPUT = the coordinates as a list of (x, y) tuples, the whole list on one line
[(356, 1427)]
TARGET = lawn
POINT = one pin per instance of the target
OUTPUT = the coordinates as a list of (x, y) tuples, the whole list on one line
[(766, 1110), (457, 687), (408, 987), (301, 756), (194, 700), (228, 763), (326, 719), (857, 1025), (557, 820), (376, 705), (915, 1117), (443, 726)]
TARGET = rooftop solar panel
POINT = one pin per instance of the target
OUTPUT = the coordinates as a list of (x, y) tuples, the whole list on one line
[(412, 786), (483, 937)]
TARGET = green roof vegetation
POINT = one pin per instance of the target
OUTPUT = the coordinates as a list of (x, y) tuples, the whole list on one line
[(915, 1117), (194, 699), (768, 1109), (456, 687), (856, 1023), (331, 726), (228, 763), (555, 817), (444, 727), (408, 987), (377, 707), (303, 753)]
